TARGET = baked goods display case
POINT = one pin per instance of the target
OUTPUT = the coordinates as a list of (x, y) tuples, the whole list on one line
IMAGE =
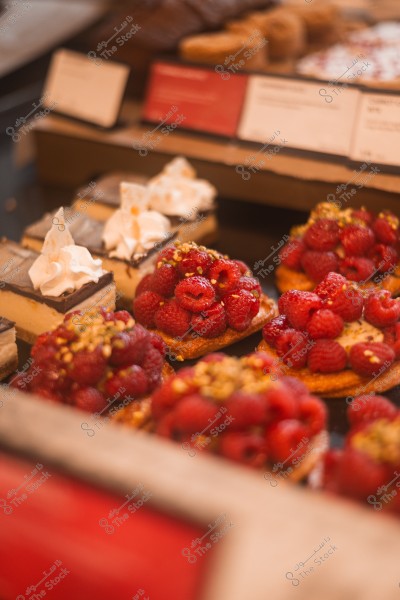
[(199, 308)]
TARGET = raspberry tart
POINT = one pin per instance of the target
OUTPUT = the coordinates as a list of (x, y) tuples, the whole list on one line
[(94, 360), (199, 300), (338, 340), (232, 407), (368, 467), (355, 243)]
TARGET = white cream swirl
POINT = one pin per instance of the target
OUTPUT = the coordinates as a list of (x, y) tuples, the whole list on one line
[(177, 192), (62, 266), (131, 230)]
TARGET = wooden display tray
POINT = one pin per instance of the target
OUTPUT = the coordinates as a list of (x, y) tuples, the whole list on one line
[(274, 527), (70, 154)]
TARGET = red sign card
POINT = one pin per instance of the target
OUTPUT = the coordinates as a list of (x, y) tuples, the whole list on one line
[(195, 98)]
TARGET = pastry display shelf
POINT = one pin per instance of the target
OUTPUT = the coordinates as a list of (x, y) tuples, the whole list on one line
[(70, 153), (273, 527)]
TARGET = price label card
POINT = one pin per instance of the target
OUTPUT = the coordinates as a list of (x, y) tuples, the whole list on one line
[(78, 87), (204, 99), (377, 135), (310, 116)]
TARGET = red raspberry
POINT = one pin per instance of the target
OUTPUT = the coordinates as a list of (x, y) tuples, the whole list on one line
[(195, 262), (327, 356), (245, 448), (251, 284), (363, 215), (152, 365), (356, 268), (322, 235), (192, 414), (87, 368), (247, 410), (367, 358), (291, 254), (381, 310), (347, 301), (106, 313), (211, 322), (281, 403), (143, 285), (241, 307), (292, 347), (358, 475), (164, 280), (313, 413), (89, 399), (297, 387), (129, 346), (283, 437), (166, 396), (274, 328), (145, 307), (368, 407), (122, 315), (299, 306), (386, 229), (195, 293), (133, 379), (157, 342), (357, 240), (243, 268), (392, 338), (173, 319), (166, 254), (224, 275), (45, 354), (285, 299), (50, 395), (325, 324), (385, 258), (317, 265), (329, 286)]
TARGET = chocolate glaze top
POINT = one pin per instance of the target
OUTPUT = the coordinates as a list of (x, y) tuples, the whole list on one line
[(5, 324), (15, 262), (105, 190)]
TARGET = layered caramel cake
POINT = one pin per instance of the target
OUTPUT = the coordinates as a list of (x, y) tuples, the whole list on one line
[(8, 348), (176, 192), (37, 290)]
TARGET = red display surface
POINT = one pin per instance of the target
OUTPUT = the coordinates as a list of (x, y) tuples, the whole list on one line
[(58, 524), (194, 98)]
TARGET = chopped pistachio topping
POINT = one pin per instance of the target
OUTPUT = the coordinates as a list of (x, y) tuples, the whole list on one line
[(381, 441)]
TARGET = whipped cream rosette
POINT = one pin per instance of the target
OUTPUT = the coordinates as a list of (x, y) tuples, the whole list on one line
[(63, 266), (133, 230), (177, 192)]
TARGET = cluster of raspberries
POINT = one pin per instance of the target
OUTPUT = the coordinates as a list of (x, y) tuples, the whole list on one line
[(195, 289), (357, 246), (93, 359), (367, 468), (232, 407), (305, 331)]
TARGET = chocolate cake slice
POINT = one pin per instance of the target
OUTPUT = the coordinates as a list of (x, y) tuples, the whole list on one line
[(8, 348), (34, 312)]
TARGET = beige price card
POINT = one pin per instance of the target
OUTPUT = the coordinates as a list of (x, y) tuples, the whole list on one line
[(78, 87), (307, 114), (377, 135)]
